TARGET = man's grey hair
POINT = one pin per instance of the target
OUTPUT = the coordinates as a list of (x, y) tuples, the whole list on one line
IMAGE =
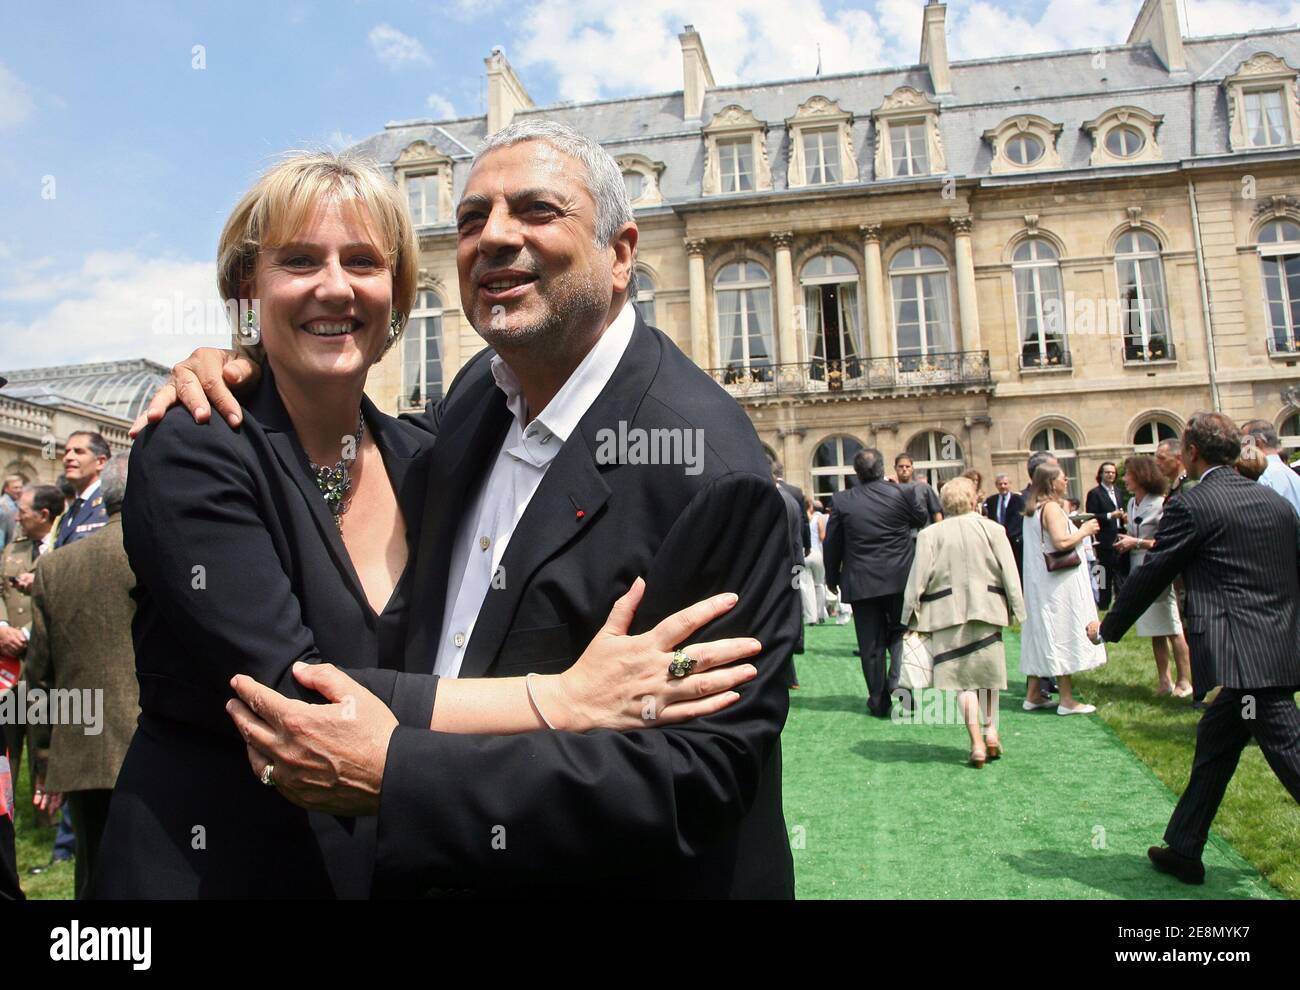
[(1172, 446), (95, 441), (112, 482), (1264, 433), (604, 179), (1000, 476), (1039, 457)]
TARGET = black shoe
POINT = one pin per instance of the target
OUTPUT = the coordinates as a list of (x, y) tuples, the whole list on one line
[(1185, 868)]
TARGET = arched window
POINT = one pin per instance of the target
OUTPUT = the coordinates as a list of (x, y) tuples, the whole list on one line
[(1145, 315), (745, 322), (1148, 436), (1040, 307), (1061, 445), (422, 352), (1289, 433), (831, 319), (645, 297), (1124, 141), (936, 458), (634, 182), (922, 315), (1279, 250), (832, 466), (1024, 149)]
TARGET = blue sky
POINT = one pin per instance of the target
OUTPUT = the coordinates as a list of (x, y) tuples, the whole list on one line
[(121, 149)]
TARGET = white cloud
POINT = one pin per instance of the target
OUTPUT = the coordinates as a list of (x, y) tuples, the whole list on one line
[(15, 101), (441, 107), (598, 51), (396, 49), (114, 305)]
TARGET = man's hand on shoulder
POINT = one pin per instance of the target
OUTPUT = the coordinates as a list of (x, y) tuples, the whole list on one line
[(206, 376)]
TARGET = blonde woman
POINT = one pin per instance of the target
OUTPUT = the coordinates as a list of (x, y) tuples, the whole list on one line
[(962, 591), (1058, 603), (268, 549)]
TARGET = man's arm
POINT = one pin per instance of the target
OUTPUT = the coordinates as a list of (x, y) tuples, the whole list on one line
[(39, 667), (1176, 546), (467, 810), (833, 550)]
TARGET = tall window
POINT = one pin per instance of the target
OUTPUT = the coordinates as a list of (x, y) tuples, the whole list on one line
[(422, 351), (922, 314), (1061, 445), (1265, 118), (736, 164), (1148, 436), (634, 183), (745, 338), (909, 152), (832, 467), (937, 458), (1145, 312), (821, 156), (422, 197), (1289, 433), (645, 297), (1279, 249), (831, 319), (1040, 306)]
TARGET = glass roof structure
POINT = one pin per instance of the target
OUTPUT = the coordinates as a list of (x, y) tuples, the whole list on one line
[(120, 388)]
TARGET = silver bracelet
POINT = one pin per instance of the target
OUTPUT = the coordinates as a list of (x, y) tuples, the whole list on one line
[(528, 686)]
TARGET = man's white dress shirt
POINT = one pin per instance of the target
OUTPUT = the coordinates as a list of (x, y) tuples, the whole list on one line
[(1282, 480), (521, 463)]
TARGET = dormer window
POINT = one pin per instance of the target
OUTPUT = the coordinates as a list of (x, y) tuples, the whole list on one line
[(1023, 143), (821, 145), (641, 180), (907, 136), (1124, 136), (424, 173), (1263, 111), (634, 183), (735, 144)]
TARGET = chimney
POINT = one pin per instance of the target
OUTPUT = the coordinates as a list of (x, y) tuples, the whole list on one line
[(506, 95), (1157, 23), (697, 77), (934, 46)]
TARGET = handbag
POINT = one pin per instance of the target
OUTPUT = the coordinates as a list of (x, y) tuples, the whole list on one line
[(918, 663), (1056, 560)]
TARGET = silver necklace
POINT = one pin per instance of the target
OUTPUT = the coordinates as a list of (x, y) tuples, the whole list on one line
[(335, 483)]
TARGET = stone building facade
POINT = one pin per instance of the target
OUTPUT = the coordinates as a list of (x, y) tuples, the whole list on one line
[(966, 261)]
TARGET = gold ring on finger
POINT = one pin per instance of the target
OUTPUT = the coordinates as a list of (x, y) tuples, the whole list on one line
[(268, 775), (682, 664)]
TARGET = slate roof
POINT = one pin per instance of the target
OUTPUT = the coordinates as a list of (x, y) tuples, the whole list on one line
[(1065, 87)]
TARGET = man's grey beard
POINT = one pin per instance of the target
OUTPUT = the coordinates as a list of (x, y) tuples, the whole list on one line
[(576, 307)]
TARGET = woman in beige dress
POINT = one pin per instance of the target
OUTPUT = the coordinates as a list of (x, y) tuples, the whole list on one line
[(962, 590)]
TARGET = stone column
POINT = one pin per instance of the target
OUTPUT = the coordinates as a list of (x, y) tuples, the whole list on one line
[(877, 321), (787, 348), (700, 350), (966, 298)]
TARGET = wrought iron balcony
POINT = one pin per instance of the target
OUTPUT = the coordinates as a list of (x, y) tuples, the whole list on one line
[(857, 376), (1157, 347), (1056, 357), (1280, 346)]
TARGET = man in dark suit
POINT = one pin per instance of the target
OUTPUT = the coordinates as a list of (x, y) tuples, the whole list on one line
[(81, 641), (543, 458), (1103, 502), (868, 552), (1243, 609), (1007, 509), (796, 493)]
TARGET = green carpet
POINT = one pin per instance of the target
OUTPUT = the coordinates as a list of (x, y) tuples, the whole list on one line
[(879, 809)]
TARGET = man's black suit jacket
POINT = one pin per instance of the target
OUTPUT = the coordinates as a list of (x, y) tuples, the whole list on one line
[(869, 545), (1014, 523), (1099, 503), (1237, 545), (691, 810)]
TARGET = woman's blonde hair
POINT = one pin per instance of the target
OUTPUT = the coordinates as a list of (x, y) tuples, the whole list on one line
[(1040, 490), (957, 497), (283, 201)]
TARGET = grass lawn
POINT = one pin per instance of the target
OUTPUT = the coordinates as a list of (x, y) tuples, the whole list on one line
[(1258, 817)]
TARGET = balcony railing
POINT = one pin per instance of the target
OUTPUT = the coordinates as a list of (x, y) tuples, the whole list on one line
[(1281, 347), (1055, 357), (883, 375), (1155, 348)]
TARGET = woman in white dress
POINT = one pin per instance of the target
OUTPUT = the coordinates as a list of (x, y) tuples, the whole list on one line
[(812, 581), (1058, 604), (1160, 622)]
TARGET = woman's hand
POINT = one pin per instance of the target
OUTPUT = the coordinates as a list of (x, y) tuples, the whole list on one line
[(205, 376), (622, 682), (1091, 528), (1124, 543)]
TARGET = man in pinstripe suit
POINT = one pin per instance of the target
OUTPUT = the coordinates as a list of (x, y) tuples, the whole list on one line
[(1237, 545)]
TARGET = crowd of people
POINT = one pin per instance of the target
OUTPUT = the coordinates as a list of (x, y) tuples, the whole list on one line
[(65, 633)]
